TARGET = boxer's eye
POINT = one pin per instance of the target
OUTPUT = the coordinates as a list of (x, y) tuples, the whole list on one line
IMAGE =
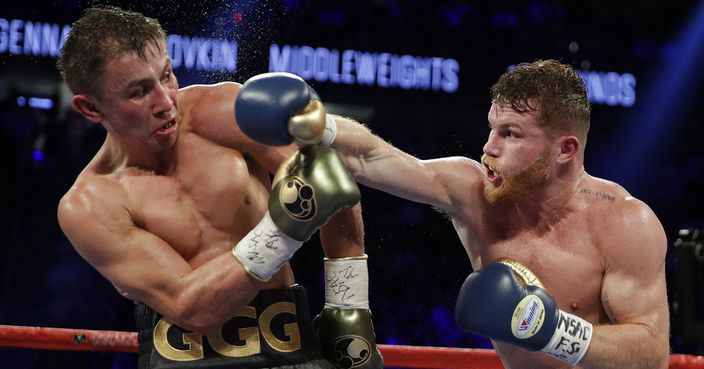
[(139, 92), (140, 89), (508, 133)]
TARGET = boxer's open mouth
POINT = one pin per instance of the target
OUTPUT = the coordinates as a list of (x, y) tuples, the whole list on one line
[(166, 127), (491, 172)]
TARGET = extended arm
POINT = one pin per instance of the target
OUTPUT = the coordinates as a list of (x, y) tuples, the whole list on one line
[(269, 113), (378, 164)]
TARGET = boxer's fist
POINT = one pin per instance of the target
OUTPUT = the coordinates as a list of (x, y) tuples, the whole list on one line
[(347, 338), (310, 187), (279, 108), (506, 302)]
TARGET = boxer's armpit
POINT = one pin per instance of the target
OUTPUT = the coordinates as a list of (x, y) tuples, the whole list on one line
[(447, 216), (606, 303)]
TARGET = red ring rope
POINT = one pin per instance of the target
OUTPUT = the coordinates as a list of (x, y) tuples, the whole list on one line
[(394, 355), (67, 339)]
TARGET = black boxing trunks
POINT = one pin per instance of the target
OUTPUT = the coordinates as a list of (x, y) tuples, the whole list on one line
[(274, 330)]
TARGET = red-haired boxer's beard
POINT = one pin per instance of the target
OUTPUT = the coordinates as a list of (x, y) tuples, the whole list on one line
[(520, 186)]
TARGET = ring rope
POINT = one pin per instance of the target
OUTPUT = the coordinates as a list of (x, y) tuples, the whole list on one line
[(394, 355)]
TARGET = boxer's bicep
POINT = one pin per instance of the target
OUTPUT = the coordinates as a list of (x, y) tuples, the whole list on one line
[(139, 264), (443, 183), (633, 289), (146, 268)]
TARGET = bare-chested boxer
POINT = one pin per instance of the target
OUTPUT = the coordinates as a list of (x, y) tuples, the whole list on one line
[(176, 210), (569, 268)]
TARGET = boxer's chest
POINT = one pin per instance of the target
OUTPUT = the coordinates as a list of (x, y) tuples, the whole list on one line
[(206, 205), (564, 256), (569, 270)]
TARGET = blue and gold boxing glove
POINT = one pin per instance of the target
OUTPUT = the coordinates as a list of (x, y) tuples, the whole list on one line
[(506, 302), (345, 325), (278, 108)]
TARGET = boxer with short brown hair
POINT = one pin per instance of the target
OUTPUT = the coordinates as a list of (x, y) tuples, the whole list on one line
[(177, 209), (598, 252), (565, 263)]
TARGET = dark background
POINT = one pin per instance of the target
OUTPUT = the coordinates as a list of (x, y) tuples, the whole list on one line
[(416, 260)]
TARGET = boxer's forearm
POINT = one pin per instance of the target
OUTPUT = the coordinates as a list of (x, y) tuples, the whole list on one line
[(625, 346), (355, 143), (203, 299), (343, 235), (376, 163)]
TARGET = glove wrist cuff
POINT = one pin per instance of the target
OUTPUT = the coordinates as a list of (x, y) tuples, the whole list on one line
[(330, 131), (346, 283), (265, 249), (571, 339)]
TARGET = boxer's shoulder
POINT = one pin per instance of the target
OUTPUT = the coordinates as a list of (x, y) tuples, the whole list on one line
[(616, 218), (464, 163), (201, 94), (208, 111), (91, 192), (457, 184), (597, 193), (92, 206), (103, 186), (456, 172), (468, 178)]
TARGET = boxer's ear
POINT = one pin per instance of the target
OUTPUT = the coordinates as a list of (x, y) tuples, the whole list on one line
[(84, 105), (569, 148)]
